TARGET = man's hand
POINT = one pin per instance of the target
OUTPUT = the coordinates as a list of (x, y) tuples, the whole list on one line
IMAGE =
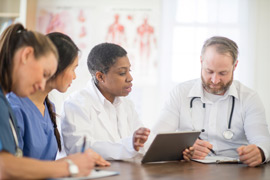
[(140, 137), (250, 155), (188, 153), (201, 149)]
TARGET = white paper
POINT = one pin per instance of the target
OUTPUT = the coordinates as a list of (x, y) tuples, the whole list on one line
[(93, 175), (217, 159)]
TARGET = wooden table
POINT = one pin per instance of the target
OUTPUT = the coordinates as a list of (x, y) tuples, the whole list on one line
[(187, 171)]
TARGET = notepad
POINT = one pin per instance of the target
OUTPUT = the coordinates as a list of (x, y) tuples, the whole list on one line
[(93, 175), (218, 160)]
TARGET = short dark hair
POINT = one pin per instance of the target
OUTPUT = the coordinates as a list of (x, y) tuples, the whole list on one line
[(223, 45), (103, 56), (67, 50)]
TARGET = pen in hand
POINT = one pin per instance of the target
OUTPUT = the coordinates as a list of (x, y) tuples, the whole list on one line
[(84, 143), (212, 151)]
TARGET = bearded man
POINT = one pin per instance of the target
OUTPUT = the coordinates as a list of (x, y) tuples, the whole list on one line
[(230, 115)]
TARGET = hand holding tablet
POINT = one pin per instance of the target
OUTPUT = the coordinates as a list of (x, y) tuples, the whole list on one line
[(169, 146)]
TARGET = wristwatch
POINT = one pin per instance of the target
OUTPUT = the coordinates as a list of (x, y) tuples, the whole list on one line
[(73, 168)]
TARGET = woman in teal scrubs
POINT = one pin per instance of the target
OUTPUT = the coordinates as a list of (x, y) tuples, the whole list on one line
[(27, 60), (39, 137)]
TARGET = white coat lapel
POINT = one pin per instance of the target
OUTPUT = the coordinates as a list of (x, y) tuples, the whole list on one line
[(123, 126), (104, 119), (101, 113)]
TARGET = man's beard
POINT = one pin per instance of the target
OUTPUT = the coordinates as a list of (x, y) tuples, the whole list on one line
[(217, 91)]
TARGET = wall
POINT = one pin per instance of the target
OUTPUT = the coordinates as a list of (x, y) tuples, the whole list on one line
[(262, 65), (149, 96), (97, 16)]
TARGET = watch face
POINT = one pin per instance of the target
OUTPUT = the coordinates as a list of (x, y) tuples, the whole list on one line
[(73, 168)]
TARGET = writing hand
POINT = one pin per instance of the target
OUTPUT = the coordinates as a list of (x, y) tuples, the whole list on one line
[(250, 155), (84, 161), (201, 149), (140, 136), (99, 161)]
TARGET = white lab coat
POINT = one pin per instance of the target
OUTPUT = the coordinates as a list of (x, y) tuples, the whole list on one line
[(84, 115), (248, 121)]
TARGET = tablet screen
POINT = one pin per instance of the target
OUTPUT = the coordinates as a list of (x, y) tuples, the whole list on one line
[(169, 146)]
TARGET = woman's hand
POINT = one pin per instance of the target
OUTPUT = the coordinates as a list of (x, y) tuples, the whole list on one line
[(99, 161), (140, 136)]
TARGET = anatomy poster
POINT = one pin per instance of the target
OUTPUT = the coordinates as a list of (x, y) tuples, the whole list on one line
[(71, 21), (133, 25), (137, 31)]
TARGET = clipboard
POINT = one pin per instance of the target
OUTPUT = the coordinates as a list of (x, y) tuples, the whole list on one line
[(169, 146), (95, 174), (218, 160)]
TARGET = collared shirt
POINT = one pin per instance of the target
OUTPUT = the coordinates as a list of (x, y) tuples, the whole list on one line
[(111, 109), (6, 135), (248, 121), (36, 132)]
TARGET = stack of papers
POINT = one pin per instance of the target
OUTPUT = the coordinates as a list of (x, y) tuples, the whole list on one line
[(93, 175), (218, 160)]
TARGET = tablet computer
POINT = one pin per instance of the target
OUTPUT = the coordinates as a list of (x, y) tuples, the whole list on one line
[(169, 146)]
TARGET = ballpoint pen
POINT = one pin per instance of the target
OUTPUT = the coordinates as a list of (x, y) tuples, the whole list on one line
[(84, 143), (212, 151)]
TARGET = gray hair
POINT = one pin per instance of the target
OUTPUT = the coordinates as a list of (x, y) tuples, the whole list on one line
[(223, 45)]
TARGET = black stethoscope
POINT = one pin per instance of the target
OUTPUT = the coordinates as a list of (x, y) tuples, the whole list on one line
[(227, 134)]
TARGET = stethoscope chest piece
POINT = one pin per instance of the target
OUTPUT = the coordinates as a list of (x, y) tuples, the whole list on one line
[(228, 134), (18, 152)]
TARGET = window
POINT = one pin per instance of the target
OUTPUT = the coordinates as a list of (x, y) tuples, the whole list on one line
[(194, 22)]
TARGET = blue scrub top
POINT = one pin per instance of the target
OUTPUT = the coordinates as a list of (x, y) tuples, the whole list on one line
[(36, 133), (6, 136)]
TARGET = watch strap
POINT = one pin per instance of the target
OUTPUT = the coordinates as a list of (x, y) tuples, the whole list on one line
[(72, 167)]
